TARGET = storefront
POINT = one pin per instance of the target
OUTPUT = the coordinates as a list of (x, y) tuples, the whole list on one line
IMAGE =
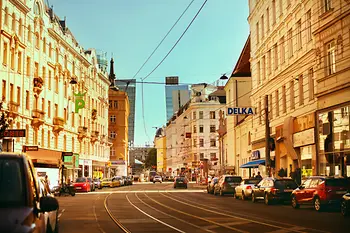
[(85, 168), (98, 169), (118, 168), (257, 164), (71, 163), (333, 146)]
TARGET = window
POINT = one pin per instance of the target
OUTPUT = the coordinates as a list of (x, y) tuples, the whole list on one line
[(65, 114), (27, 100), (57, 55), (263, 65), (269, 62), (4, 54), (212, 128), (257, 33), (73, 144), (267, 19), (301, 89), (50, 50), (260, 111), (113, 119), (6, 16), (29, 34), (311, 84), (270, 107), (66, 91), (212, 114), (65, 61), (12, 58), (42, 137), (195, 142), (44, 45), (19, 62), (194, 115), (282, 50), (200, 114), (213, 142), (201, 155), (20, 29), (212, 156), (327, 5), (201, 129), (56, 141), (275, 57), (56, 84), (115, 104), (27, 134), (28, 65), (56, 110), (36, 69), (258, 72), (262, 27), (11, 92), (37, 40), (13, 22), (112, 134), (277, 103), (112, 151), (49, 108), (195, 157), (330, 61), (194, 129), (290, 42), (299, 39), (73, 119), (284, 99), (291, 92), (18, 95), (273, 12), (308, 26), (201, 142)]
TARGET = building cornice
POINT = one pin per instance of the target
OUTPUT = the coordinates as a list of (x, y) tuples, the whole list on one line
[(20, 5)]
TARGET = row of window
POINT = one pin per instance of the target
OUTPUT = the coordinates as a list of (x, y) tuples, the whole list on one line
[(202, 156), (212, 129), (201, 142), (212, 115)]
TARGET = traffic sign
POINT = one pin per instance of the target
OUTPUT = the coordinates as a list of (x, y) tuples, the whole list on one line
[(240, 111)]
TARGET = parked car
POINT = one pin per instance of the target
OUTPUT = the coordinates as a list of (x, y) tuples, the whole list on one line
[(157, 179), (320, 191), (129, 180), (98, 183), (171, 178), (92, 183), (211, 184), (116, 182), (82, 184), (244, 190), (120, 179), (180, 181), (345, 204), (21, 201), (227, 184), (274, 189), (106, 182)]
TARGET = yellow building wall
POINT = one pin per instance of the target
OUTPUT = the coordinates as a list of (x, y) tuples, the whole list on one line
[(160, 145)]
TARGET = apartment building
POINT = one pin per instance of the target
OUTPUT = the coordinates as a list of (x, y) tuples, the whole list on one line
[(53, 89)]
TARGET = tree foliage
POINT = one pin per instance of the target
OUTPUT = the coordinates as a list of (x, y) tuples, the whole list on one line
[(3, 121), (151, 159)]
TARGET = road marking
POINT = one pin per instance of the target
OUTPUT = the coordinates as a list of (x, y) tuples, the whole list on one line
[(169, 215), (228, 215), (94, 210), (194, 216), (121, 226), (60, 214), (143, 191), (165, 224)]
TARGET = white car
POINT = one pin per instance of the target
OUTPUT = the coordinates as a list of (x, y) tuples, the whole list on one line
[(157, 179)]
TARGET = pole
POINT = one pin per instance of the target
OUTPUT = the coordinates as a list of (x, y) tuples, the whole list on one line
[(62, 167), (267, 136)]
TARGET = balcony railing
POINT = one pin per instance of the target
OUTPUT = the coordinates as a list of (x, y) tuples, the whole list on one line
[(82, 130), (38, 118), (58, 124), (13, 109), (94, 136)]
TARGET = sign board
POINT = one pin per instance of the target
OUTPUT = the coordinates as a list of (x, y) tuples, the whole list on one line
[(173, 80), (303, 138), (79, 101), (256, 155), (67, 153), (240, 111), (188, 135), (15, 133), (118, 162), (30, 148)]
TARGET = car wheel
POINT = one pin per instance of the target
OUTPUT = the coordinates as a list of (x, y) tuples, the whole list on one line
[(295, 203), (253, 197), (317, 204), (344, 209), (267, 200), (221, 193), (243, 196)]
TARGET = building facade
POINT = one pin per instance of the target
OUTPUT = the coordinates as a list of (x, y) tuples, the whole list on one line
[(129, 86), (47, 78), (160, 145), (176, 95)]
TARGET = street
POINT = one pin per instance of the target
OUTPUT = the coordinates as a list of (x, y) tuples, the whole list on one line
[(149, 207)]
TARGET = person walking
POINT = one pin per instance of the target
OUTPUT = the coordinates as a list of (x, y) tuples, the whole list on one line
[(258, 176)]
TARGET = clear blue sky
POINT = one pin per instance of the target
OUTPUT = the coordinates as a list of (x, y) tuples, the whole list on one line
[(131, 29)]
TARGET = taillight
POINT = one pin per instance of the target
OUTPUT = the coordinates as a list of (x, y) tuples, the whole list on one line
[(248, 187), (273, 190), (224, 183)]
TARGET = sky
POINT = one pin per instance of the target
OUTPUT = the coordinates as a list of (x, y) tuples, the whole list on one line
[(131, 29)]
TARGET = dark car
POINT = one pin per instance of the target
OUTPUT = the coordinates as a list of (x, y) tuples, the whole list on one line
[(345, 205), (211, 185), (320, 191), (227, 184), (129, 180), (98, 183), (23, 207), (274, 189), (180, 181)]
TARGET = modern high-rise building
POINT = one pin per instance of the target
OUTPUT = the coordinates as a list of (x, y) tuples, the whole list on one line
[(176, 95), (129, 86)]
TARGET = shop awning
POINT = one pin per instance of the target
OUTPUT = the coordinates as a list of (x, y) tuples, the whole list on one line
[(254, 163)]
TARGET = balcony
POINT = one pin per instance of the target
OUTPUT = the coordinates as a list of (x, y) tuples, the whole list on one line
[(82, 132), (94, 136), (13, 109), (38, 118), (38, 85), (94, 114), (58, 125)]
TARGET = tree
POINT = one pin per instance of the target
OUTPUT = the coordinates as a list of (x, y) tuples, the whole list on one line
[(3, 124), (151, 159)]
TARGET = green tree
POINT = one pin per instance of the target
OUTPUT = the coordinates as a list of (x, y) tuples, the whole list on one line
[(3, 124), (151, 159)]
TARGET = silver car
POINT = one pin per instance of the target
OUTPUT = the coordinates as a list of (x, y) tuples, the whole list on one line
[(244, 190), (157, 179)]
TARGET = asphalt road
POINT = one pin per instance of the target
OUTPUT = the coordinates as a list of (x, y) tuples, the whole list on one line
[(160, 208)]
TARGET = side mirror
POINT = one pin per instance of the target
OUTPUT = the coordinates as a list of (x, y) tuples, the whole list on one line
[(48, 204), (257, 186), (301, 187)]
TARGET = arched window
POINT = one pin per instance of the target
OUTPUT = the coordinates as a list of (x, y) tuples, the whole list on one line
[(20, 28), (13, 22), (37, 9), (6, 16)]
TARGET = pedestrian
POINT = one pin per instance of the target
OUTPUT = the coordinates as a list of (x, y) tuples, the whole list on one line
[(258, 176), (47, 183), (253, 175)]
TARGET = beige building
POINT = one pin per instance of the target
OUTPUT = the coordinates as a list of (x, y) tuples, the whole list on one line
[(160, 145), (46, 79)]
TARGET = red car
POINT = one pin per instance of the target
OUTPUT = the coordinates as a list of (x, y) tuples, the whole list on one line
[(320, 191), (82, 184)]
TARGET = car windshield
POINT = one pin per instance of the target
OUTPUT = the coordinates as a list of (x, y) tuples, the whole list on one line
[(96, 180), (12, 191), (89, 179), (340, 182), (286, 184), (80, 180), (157, 177), (180, 179), (106, 179), (251, 181), (231, 179)]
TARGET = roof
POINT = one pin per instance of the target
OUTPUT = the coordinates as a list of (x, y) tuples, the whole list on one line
[(242, 68)]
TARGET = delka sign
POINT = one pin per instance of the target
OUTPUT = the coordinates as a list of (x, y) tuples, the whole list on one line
[(240, 111)]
